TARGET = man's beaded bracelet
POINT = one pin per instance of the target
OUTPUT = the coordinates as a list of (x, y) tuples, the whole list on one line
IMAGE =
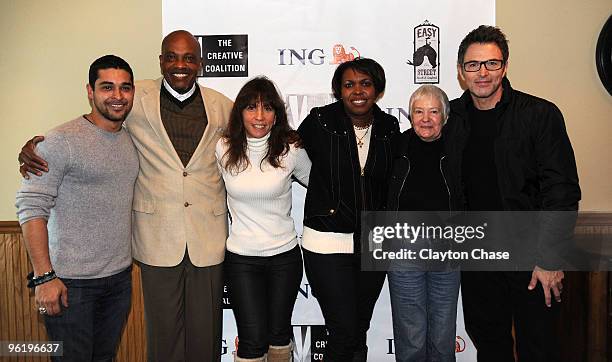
[(33, 281)]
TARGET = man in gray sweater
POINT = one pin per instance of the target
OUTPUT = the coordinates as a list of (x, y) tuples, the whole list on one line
[(76, 219)]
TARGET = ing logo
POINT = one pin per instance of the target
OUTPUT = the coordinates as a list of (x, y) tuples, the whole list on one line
[(316, 56), (340, 55)]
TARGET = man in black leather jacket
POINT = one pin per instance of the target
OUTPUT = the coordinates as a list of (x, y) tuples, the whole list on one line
[(512, 153)]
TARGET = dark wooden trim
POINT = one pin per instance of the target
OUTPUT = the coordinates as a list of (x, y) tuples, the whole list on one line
[(585, 218), (9, 227), (594, 218)]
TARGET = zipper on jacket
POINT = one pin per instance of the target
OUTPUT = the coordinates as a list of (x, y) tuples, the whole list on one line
[(399, 194), (446, 184)]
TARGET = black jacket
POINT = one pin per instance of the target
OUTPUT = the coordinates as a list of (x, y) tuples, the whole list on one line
[(337, 192), (536, 169), (401, 169)]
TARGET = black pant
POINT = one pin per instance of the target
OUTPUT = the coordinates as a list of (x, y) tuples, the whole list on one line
[(347, 296), (262, 292), (492, 301)]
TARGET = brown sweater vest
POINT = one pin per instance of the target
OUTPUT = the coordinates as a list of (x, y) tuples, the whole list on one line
[(184, 122)]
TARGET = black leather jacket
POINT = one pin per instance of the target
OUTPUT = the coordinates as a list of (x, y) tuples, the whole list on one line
[(536, 169), (337, 192)]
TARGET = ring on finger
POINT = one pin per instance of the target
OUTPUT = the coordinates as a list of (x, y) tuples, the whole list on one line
[(42, 310)]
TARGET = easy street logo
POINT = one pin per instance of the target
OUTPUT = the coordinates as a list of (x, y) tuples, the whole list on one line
[(316, 56), (310, 342), (224, 55), (426, 57)]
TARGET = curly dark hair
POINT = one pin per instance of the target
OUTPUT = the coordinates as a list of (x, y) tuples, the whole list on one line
[(258, 89), (482, 35), (362, 65)]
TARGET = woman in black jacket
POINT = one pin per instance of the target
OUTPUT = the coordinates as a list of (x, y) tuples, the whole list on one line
[(423, 302), (350, 145)]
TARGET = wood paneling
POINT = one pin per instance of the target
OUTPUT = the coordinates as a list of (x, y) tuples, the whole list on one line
[(19, 318), (590, 314)]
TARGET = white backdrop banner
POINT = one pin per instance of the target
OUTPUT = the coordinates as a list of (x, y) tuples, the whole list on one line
[(298, 45)]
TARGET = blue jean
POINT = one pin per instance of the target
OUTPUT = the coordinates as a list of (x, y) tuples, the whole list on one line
[(424, 309), (91, 325)]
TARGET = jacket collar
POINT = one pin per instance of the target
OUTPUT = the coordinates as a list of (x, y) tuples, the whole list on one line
[(337, 119)]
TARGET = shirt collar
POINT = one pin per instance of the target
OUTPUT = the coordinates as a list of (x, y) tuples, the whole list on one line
[(177, 95)]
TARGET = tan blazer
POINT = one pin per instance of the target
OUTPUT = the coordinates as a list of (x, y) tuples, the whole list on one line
[(175, 206)]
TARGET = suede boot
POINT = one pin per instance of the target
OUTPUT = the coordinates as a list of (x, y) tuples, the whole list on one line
[(259, 359), (280, 353)]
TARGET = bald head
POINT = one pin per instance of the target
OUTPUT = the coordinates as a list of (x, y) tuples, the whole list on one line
[(179, 35), (180, 60)]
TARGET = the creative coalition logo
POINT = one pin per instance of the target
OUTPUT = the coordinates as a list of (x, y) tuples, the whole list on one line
[(317, 56), (224, 55), (426, 57), (310, 342)]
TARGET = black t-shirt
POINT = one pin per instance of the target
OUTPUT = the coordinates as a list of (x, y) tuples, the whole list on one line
[(479, 171), (424, 188)]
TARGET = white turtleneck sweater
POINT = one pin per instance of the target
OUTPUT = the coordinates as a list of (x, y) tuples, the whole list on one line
[(259, 199)]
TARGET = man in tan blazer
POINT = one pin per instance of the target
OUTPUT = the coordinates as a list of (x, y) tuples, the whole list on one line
[(179, 210)]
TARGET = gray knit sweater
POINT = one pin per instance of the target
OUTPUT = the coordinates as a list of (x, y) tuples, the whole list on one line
[(86, 197)]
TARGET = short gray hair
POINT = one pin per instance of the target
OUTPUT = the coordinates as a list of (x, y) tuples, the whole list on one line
[(428, 90)]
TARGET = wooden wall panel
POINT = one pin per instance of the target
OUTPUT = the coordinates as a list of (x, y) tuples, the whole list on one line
[(19, 318)]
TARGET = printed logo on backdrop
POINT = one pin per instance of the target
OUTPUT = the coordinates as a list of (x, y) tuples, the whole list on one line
[(227, 304), (340, 55), (299, 105), (224, 55), (317, 56), (426, 56), (459, 344), (310, 342), (229, 346)]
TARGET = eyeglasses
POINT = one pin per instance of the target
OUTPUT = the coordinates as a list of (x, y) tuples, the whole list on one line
[(491, 64)]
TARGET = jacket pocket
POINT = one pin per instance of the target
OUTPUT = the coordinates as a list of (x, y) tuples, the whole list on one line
[(143, 205)]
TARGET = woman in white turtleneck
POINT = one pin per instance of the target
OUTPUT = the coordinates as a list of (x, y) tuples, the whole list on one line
[(258, 156)]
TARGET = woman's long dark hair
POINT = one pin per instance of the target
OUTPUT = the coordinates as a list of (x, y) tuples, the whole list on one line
[(259, 89)]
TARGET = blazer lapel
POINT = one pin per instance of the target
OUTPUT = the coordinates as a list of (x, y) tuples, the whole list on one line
[(212, 127), (150, 104)]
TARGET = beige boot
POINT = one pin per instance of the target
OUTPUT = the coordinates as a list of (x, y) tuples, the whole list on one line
[(259, 359), (280, 353)]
